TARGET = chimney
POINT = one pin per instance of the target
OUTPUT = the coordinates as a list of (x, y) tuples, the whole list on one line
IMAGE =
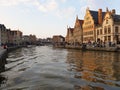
[(113, 11), (100, 16)]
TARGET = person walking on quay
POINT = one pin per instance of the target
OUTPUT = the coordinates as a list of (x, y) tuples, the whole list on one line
[(5, 46)]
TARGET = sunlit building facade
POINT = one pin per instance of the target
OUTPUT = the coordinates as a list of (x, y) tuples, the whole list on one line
[(91, 20), (78, 32), (75, 35), (111, 27)]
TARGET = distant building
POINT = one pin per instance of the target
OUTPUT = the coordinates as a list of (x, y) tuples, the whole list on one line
[(17, 37), (29, 39), (33, 39), (25, 39), (10, 37), (3, 34), (69, 37), (58, 39)]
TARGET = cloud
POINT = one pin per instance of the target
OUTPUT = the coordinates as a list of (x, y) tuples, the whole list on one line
[(48, 5), (11, 2), (66, 12), (44, 6), (94, 4), (63, 1)]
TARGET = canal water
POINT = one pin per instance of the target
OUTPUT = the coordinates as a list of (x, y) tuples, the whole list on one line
[(48, 68)]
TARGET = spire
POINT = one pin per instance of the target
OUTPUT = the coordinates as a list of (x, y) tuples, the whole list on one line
[(87, 9), (76, 17), (107, 9)]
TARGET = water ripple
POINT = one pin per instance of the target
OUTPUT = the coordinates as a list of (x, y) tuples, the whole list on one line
[(47, 68)]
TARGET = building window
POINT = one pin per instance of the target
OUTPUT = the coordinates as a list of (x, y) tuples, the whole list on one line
[(100, 31), (97, 32), (109, 29), (105, 38), (116, 29), (109, 38), (105, 30)]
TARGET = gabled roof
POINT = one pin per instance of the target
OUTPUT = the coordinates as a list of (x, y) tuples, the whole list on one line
[(78, 22), (70, 30), (95, 15), (103, 15), (116, 18), (2, 26), (81, 21)]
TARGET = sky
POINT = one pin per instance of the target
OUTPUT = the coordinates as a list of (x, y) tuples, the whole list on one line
[(45, 18)]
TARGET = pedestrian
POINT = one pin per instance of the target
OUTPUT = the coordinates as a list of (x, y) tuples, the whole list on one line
[(5, 46)]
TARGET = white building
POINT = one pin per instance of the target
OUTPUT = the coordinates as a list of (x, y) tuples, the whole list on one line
[(109, 31)]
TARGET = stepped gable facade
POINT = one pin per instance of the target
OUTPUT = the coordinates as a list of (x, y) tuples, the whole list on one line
[(69, 36), (78, 37), (74, 35), (97, 26), (91, 20)]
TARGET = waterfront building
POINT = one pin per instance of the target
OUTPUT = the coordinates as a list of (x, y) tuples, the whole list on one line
[(69, 37), (33, 39), (78, 32), (25, 39), (111, 27), (75, 35), (101, 26), (17, 37), (3, 34), (0, 36), (58, 39), (91, 20), (29, 39), (9, 37)]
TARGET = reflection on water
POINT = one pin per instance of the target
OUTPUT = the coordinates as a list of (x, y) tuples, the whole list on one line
[(2, 80), (100, 69), (47, 68)]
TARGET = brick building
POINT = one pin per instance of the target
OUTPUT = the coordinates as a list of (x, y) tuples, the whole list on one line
[(78, 31), (75, 35)]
